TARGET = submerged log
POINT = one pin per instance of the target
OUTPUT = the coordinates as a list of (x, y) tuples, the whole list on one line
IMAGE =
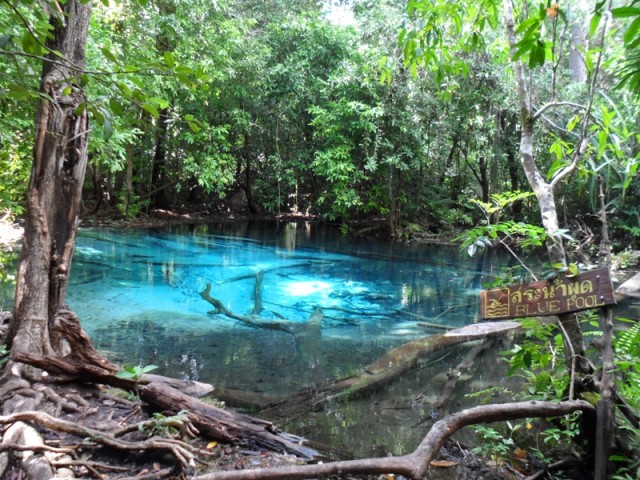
[(385, 369), (251, 320)]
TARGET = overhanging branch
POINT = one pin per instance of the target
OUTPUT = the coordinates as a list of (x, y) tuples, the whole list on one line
[(416, 464)]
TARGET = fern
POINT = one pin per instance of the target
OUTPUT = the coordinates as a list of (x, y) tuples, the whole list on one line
[(628, 342)]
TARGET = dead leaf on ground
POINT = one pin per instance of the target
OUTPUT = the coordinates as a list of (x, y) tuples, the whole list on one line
[(443, 463)]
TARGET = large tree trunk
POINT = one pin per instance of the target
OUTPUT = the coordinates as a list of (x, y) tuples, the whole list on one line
[(57, 175)]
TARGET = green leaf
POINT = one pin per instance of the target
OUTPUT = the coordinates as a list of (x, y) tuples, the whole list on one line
[(126, 374), (624, 12), (557, 165), (115, 106), (169, 59), (84, 79), (97, 115), (30, 44), (631, 33), (108, 53), (573, 122), (107, 129), (159, 102), (151, 109), (80, 109), (20, 92), (538, 54), (593, 25)]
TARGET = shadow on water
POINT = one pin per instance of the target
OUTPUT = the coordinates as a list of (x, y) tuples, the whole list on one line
[(137, 294)]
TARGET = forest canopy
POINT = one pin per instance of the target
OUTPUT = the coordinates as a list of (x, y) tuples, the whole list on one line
[(273, 107)]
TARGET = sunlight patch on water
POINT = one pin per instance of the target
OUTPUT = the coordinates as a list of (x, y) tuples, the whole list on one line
[(307, 288)]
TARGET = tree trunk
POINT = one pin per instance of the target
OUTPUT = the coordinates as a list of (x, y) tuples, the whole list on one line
[(158, 173), (53, 198), (577, 65), (575, 351)]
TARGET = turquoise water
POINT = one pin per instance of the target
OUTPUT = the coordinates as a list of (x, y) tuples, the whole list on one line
[(138, 295)]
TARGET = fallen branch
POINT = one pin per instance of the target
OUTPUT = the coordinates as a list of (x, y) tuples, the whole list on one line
[(416, 464), (5, 447), (225, 425)]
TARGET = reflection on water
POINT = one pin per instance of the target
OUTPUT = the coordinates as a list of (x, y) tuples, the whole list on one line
[(344, 302)]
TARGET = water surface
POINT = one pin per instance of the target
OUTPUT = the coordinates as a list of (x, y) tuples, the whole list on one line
[(138, 295)]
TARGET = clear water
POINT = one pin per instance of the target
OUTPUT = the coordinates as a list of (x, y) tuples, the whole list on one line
[(137, 293)]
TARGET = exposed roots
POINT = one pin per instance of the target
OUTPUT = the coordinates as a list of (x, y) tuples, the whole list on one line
[(183, 453)]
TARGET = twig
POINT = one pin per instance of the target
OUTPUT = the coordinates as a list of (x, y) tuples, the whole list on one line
[(546, 469)]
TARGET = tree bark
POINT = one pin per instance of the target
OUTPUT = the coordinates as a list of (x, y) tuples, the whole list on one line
[(226, 425), (53, 199)]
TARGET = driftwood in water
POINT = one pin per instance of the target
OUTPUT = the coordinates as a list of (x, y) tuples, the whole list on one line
[(226, 425), (386, 369), (252, 320), (416, 464)]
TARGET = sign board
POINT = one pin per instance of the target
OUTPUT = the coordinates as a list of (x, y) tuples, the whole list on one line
[(561, 295)]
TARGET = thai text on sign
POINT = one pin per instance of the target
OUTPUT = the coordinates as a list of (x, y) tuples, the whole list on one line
[(553, 297)]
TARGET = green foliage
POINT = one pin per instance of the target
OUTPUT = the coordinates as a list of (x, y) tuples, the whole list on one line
[(487, 395), (539, 359), (627, 361), (133, 206), (553, 436), (630, 13), (168, 426), (493, 443), (7, 276), (494, 231), (133, 372)]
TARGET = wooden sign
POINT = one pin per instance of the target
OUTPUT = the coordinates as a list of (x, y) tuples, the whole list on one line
[(562, 295)]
